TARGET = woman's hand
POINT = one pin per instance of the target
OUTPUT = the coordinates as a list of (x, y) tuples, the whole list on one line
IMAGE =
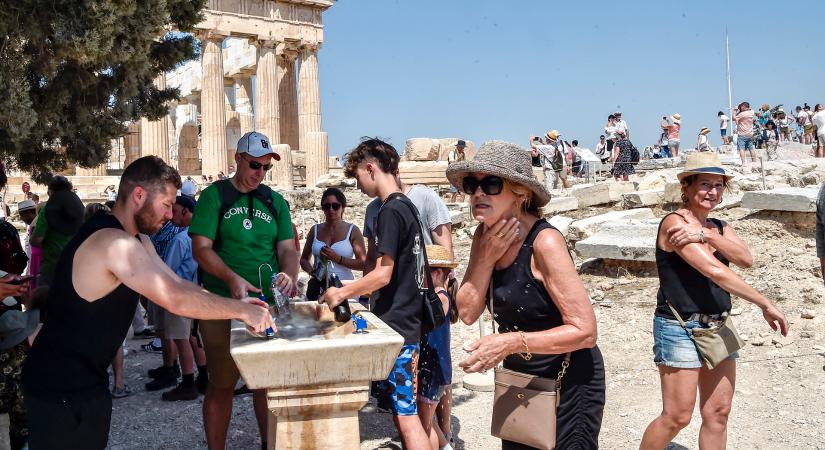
[(496, 240), (328, 253), (487, 352), (686, 232), (12, 290), (775, 317)]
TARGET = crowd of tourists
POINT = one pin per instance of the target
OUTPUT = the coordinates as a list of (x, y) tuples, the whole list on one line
[(202, 265)]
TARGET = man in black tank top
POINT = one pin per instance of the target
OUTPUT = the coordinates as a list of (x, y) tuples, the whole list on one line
[(101, 273)]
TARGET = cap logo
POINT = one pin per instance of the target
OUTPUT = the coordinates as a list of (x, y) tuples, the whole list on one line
[(264, 144)]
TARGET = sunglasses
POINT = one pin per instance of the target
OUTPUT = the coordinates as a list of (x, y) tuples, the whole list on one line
[(331, 206), (255, 165), (490, 185)]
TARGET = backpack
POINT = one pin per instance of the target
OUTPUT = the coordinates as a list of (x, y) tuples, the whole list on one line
[(229, 195), (12, 257), (634, 154)]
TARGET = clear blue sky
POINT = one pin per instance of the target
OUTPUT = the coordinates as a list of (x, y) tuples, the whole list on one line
[(483, 70)]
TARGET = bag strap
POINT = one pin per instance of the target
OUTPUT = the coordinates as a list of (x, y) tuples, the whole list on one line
[(401, 197), (676, 314)]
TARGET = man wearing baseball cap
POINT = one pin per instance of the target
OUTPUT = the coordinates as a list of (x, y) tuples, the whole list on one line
[(239, 226)]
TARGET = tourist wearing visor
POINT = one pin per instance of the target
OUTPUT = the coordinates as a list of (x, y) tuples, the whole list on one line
[(694, 342), (538, 300)]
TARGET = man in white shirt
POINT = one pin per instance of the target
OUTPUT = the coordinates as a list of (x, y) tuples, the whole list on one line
[(818, 121), (723, 127), (620, 124)]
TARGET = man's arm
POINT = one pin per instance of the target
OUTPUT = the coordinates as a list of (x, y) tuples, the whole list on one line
[(442, 235), (211, 263), (379, 277), (288, 262)]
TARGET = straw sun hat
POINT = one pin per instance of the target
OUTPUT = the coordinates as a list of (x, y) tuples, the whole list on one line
[(505, 160), (439, 256), (704, 130), (703, 162)]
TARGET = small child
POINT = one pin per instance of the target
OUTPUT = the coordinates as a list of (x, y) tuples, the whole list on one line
[(435, 364), (702, 141), (770, 137)]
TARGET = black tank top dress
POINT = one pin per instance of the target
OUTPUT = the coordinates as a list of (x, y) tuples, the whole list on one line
[(521, 303), (79, 338)]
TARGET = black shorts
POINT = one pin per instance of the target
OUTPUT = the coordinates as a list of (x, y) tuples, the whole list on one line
[(69, 421)]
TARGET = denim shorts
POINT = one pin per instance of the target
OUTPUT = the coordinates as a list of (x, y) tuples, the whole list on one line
[(744, 143), (397, 393), (723, 132), (673, 347)]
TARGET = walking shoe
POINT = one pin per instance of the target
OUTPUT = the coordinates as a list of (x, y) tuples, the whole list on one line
[(120, 392), (180, 392), (243, 390), (163, 370), (162, 382), (151, 347), (146, 333), (201, 382)]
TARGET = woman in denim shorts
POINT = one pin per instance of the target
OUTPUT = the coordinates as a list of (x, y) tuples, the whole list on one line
[(693, 252)]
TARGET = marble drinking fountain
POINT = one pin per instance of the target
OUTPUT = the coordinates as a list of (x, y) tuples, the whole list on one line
[(316, 374)]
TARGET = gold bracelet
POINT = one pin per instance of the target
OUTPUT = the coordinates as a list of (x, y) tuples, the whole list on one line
[(526, 355)]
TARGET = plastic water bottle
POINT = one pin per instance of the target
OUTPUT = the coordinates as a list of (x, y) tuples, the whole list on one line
[(342, 311), (270, 333), (279, 300)]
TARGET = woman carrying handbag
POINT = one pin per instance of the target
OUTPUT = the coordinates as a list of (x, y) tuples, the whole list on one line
[(520, 265)]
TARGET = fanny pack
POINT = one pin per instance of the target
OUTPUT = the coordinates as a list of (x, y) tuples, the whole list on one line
[(715, 343)]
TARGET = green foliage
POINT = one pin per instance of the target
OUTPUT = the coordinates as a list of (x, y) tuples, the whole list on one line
[(74, 72)]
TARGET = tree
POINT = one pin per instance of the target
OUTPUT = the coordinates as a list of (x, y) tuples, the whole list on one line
[(73, 73)]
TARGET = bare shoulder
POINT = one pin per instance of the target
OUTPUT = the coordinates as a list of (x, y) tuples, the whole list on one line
[(550, 240)]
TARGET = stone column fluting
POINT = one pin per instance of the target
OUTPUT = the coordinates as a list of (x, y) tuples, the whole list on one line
[(266, 110), (131, 143), (154, 134), (213, 110), (309, 105), (317, 156), (288, 97), (243, 102)]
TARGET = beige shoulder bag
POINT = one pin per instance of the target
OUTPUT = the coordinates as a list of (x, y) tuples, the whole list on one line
[(715, 343), (524, 406)]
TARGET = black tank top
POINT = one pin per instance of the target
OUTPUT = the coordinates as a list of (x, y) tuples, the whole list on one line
[(521, 303), (79, 338), (685, 287)]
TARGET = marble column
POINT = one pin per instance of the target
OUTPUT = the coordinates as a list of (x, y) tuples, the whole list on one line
[(309, 113), (213, 109), (99, 171), (288, 97), (154, 134), (243, 102), (317, 156), (131, 143), (266, 110)]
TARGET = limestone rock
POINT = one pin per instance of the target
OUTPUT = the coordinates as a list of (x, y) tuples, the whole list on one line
[(334, 180), (623, 240), (582, 229), (639, 199), (562, 223), (421, 149), (446, 145), (808, 314), (300, 198), (785, 199), (561, 204), (601, 193), (458, 217)]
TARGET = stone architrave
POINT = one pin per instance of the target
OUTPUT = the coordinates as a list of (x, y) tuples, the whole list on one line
[(213, 109), (309, 105), (131, 143), (154, 134), (317, 156), (288, 96), (243, 103), (266, 109)]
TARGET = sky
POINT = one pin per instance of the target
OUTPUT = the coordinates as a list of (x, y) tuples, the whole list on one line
[(481, 70)]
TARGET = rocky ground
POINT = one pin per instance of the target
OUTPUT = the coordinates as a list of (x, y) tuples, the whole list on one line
[(778, 402)]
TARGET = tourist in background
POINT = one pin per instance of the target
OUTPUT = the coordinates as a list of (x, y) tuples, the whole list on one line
[(692, 256), (623, 165), (455, 155), (620, 124), (674, 126), (723, 127), (784, 123), (702, 140), (553, 161), (818, 121), (335, 245), (770, 138), (514, 251), (743, 117), (807, 124), (59, 221), (601, 150), (612, 132)]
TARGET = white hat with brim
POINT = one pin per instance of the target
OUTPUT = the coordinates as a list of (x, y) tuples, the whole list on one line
[(256, 145), (505, 160), (703, 163)]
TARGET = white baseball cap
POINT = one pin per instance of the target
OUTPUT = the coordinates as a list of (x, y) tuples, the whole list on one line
[(188, 188), (256, 145)]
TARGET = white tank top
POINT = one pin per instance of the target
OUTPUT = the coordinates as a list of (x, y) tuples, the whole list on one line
[(343, 248)]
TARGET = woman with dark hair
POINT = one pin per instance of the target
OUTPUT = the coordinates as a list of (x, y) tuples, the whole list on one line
[(622, 158), (337, 246), (521, 269), (692, 256)]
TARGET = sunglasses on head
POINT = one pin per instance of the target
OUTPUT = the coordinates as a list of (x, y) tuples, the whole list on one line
[(255, 165), (330, 206), (490, 185)]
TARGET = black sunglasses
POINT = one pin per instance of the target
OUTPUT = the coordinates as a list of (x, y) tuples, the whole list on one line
[(332, 206), (255, 165), (490, 185)]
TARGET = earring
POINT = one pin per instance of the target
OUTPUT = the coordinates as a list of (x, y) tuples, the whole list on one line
[(684, 198)]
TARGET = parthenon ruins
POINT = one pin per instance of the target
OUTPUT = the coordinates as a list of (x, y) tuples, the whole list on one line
[(258, 71)]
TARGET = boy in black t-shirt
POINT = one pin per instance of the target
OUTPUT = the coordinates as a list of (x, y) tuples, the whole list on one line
[(395, 280)]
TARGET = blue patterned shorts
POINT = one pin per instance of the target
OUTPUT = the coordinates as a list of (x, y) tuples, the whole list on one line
[(397, 392)]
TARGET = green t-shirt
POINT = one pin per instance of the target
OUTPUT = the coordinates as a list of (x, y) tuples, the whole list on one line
[(244, 244), (53, 243)]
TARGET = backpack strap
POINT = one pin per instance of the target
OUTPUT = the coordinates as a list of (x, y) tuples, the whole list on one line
[(228, 195)]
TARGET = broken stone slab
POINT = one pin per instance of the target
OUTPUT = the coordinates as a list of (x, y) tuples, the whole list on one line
[(458, 217), (630, 240), (562, 223), (673, 193), (335, 180), (582, 229), (639, 199), (421, 149), (601, 193), (561, 204), (660, 163), (783, 199)]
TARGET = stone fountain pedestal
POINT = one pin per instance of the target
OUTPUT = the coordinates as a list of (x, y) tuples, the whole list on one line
[(316, 385)]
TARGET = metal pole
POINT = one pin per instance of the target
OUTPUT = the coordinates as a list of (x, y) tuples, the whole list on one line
[(762, 169), (730, 94)]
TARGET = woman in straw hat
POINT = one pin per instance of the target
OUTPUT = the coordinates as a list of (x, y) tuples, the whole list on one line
[(538, 301), (692, 256), (702, 140)]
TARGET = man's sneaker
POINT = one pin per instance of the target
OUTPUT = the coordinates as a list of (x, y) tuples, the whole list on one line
[(121, 392), (151, 347), (243, 390), (202, 382), (163, 370), (146, 333), (162, 382), (180, 392)]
